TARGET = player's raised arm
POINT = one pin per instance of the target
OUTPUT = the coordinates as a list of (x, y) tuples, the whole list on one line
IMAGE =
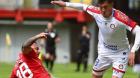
[(26, 47), (79, 6)]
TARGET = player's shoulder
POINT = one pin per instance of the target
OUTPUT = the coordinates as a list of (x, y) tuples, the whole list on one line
[(93, 9), (123, 18), (54, 30), (31, 54), (120, 16)]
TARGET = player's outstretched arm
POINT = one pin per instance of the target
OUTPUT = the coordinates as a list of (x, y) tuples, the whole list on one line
[(59, 3), (79, 6), (26, 47)]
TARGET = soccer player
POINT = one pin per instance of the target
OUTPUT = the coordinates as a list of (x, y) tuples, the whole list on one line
[(52, 39), (84, 49), (113, 45), (28, 64)]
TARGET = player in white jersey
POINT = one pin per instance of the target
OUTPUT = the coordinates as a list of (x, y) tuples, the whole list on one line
[(113, 45)]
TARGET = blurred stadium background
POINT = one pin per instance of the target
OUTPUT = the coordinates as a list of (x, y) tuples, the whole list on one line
[(21, 19)]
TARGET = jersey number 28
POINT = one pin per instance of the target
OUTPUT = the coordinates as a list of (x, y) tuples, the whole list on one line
[(24, 71)]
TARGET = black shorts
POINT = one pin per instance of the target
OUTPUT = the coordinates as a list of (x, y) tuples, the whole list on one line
[(51, 51)]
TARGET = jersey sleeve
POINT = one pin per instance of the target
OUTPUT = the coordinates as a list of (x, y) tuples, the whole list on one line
[(125, 20), (13, 74), (93, 10), (88, 8), (79, 6)]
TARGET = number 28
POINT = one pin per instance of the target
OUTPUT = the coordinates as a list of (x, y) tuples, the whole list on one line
[(21, 73)]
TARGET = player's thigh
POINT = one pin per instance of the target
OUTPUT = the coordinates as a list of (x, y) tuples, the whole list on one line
[(53, 56), (120, 63), (100, 65), (85, 57)]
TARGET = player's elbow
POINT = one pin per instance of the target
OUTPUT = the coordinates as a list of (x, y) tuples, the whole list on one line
[(136, 30), (23, 46)]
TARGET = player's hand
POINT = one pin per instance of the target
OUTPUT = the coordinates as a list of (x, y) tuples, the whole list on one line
[(42, 35), (59, 3), (131, 58)]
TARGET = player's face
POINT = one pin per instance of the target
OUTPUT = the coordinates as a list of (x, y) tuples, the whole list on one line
[(50, 26), (106, 9), (84, 28), (35, 47)]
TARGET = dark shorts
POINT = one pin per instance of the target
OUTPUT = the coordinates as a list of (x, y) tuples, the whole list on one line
[(51, 51)]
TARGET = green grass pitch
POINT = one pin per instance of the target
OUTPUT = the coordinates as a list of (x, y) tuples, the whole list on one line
[(65, 71)]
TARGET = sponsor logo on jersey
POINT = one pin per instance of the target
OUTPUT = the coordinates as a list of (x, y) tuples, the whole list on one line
[(112, 47)]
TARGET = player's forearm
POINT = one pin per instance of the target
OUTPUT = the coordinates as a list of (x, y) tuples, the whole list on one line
[(29, 42), (137, 39), (76, 5)]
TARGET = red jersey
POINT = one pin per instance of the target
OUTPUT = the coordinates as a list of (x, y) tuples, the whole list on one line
[(29, 66)]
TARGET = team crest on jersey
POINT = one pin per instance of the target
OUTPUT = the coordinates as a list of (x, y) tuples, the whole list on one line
[(113, 26)]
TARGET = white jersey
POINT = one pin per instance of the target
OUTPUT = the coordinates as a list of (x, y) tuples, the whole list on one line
[(112, 31)]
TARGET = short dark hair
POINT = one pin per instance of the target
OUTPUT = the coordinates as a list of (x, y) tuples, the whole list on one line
[(102, 1)]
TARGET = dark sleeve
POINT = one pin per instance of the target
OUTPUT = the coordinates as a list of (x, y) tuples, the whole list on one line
[(56, 36), (89, 34)]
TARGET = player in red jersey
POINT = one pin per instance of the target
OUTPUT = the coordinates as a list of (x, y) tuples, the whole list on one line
[(28, 64)]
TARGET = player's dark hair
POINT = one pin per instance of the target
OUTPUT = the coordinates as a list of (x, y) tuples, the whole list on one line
[(102, 1)]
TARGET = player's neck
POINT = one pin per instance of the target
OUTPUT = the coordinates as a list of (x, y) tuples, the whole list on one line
[(109, 15), (50, 30)]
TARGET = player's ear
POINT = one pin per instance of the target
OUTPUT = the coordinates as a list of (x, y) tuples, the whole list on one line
[(25, 49)]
